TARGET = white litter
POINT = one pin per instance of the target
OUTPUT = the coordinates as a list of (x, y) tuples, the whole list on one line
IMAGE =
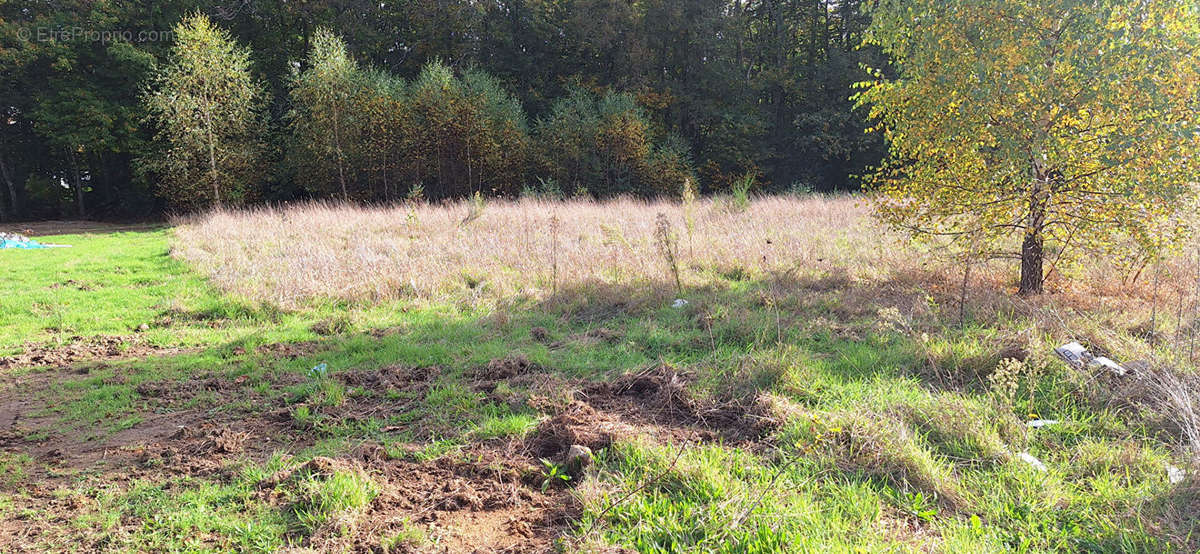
[(1175, 475), (1041, 423), (679, 303), (1111, 365), (1029, 459), (1076, 355)]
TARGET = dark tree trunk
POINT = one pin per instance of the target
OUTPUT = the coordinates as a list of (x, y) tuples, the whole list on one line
[(79, 208), (1032, 251), (1031, 264), (13, 200)]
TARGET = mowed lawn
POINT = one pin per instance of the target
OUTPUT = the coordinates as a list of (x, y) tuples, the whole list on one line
[(836, 399)]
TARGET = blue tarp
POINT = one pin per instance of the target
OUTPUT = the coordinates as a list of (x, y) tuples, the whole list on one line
[(20, 244), (5, 243)]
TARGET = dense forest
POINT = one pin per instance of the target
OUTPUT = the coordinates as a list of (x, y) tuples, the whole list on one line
[(376, 101)]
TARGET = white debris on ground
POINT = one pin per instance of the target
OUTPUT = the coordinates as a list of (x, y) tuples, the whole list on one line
[(1175, 475), (679, 303), (1041, 423), (1029, 459), (1077, 356)]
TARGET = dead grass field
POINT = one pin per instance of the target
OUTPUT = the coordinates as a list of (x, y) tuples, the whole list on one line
[(532, 248), (285, 256)]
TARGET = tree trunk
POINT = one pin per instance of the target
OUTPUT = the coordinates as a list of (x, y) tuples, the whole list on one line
[(78, 185), (12, 190), (1031, 264), (1032, 251), (212, 160), (337, 146)]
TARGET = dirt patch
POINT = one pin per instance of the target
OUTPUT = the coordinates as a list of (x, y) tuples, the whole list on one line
[(71, 284), (79, 349), (483, 501), (511, 366), (291, 350), (653, 403), (395, 377), (660, 394), (492, 503), (578, 424), (50, 228), (486, 498)]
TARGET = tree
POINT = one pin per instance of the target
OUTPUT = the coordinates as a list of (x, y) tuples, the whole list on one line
[(466, 134), (603, 144), (1066, 124), (328, 114), (207, 105)]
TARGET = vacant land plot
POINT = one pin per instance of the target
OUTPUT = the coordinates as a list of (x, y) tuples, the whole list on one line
[(412, 379)]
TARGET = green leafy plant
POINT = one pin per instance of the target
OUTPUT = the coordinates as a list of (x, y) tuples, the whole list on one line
[(208, 107), (554, 474)]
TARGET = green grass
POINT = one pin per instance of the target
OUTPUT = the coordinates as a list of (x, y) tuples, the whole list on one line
[(874, 452), (325, 498)]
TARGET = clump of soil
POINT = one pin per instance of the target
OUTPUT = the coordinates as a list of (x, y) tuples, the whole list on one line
[(487, 501), (291, 350), (396, 377), (508, 367), (578, 424), (661, 394)]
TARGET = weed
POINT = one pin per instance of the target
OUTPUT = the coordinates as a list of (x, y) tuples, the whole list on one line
[(1006, 379), (555, 475), (688, 194), (741, 191), (302, 415), (14, 468), (664, 236), (474, 208)]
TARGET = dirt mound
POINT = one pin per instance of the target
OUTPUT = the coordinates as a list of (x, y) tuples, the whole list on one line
[(660, 393), (578, 424), (396, 377), (491, 503), (291, 350), (508, 367)]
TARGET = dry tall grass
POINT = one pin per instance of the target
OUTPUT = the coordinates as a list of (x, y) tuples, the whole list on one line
[(531, 247), (285, 256)]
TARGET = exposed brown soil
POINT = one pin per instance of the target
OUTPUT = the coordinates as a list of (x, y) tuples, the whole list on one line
[(486, 499), (78, 349), (491, 503), (653, 403), (50, 228)]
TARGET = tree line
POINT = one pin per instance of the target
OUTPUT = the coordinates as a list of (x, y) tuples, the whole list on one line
[(261, 101)]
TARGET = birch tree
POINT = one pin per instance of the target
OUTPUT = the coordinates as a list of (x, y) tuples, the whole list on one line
[(1057, 125), (207, 105)]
